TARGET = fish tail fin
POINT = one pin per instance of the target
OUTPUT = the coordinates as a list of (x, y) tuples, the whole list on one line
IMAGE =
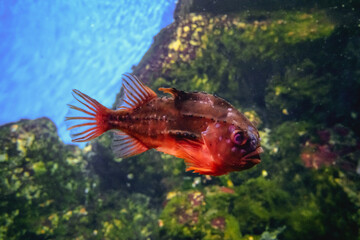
[(87, 121)]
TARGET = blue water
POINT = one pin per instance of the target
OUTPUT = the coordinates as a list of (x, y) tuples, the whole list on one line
[(47, 48)]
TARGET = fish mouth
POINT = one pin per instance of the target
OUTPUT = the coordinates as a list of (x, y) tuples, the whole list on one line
[(254, 156)]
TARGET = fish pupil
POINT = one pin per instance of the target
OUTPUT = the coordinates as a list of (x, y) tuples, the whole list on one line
[(239, 138)]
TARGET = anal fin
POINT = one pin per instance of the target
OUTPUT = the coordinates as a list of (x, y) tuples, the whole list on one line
[(126, 146)]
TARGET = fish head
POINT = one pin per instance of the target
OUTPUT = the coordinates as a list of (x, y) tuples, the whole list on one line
[(233, 147)]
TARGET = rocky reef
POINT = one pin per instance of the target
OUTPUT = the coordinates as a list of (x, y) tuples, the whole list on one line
[(291, 67)]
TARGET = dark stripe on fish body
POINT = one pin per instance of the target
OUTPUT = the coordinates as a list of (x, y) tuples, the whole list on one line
[(206, 118), (183, 134)]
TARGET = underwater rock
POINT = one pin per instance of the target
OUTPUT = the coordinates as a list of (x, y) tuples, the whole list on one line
[(51, 190), (43, 180), (34, 139), (235, 54)]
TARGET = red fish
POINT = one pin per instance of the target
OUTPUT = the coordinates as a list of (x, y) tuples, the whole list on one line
[(206, 131)]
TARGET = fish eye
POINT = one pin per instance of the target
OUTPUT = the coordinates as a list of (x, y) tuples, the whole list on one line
[(239, 137)]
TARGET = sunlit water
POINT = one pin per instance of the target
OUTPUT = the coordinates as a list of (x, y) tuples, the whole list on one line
[(47, 48)]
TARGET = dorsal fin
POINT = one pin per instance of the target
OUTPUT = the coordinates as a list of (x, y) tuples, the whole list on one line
[(135, 93), (173, 91)]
